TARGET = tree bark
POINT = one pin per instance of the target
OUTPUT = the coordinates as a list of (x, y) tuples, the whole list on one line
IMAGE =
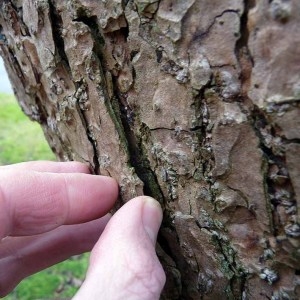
[(193, 102)]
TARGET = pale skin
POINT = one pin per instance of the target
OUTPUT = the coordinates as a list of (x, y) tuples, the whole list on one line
[(50, 211)]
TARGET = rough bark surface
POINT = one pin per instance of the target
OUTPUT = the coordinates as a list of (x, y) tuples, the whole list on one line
[(194, 102)]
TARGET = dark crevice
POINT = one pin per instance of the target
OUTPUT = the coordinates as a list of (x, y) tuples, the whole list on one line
[(159, 54), (124, 3), (291, 141), (124, 31), (221, 66), (42, 114), (232, 267), (133, 54), (169, 241), (16, 65), (140, 162), (242, 51), (196, 128), (92, 23), (278, 193), (238, 278), (57, 27), (18, 17), (242, 42), (125, 118), (202, 115), (22, 24), (163, 241), (137, 153), (259, 121), (168, 129), (96, 167), (124, 115)]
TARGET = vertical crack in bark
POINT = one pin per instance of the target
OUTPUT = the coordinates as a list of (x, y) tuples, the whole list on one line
[(17, 11), (81, 88), (246, 64), (237, 276), (242, 42), (124, 117), (120, 113), (229, 265), (261, 124), (110, 104), (16, 66), (57, 24), (277, 193), (57, 27), (138, 159)]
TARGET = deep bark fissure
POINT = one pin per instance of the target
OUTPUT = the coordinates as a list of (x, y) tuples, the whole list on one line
[(242, 51), (18, 16), (41, 114), (260, 123), (202, 129), (290, 141), (57, 27), (92, 23), (16, 65), (137, 157), (230, 265), (172, 129), (242, 42), (90, 135)]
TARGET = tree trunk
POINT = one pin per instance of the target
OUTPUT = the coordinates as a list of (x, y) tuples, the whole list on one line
[(193, 102)]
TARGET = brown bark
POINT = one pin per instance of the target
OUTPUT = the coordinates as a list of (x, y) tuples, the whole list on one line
[(194, 102)]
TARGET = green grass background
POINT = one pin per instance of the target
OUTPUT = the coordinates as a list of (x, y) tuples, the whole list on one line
[(23, 140), (20, 139)]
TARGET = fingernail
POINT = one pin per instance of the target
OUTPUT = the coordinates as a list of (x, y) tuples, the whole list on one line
[(152, 217)]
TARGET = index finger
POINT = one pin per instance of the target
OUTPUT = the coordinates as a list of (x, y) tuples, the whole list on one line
[(49, 166), (35, 202)]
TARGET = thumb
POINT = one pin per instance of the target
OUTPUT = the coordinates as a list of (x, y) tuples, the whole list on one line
[(123, 263)]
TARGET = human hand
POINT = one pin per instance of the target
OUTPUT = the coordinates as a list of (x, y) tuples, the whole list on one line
[(43, 207), (123, 263)]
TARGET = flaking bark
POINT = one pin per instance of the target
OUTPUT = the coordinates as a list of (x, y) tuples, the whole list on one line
[(193, 102)]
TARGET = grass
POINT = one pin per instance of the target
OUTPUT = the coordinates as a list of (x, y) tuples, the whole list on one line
[(23, 140), (58, 282), (20, 139)]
